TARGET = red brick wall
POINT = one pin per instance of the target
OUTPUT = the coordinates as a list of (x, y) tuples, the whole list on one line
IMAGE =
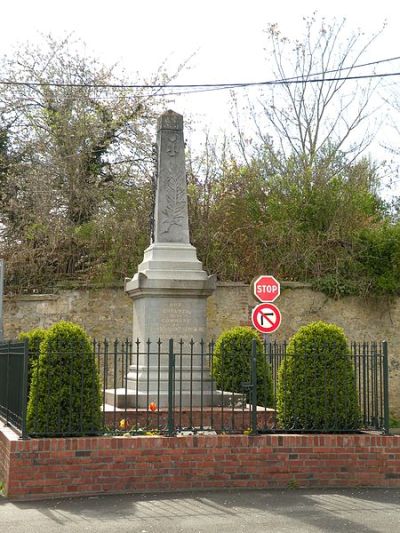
[(3, 459), (6, 436), (45, 467)]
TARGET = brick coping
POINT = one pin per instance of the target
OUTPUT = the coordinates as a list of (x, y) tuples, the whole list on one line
[(76, 466)]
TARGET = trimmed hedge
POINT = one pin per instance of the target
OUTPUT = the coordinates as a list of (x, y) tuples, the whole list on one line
[(232, 364), (65, 390), (316, 382), (34, 338)]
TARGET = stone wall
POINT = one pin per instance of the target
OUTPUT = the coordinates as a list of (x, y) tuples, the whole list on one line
[(108, 313), (361, 319), (103, 312)]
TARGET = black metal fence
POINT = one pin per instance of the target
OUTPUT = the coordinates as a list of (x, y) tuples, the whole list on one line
[(170, 387), (13, 384), (368, 377)]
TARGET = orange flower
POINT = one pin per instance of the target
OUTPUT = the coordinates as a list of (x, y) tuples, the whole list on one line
[(153, 406), (123, 423)]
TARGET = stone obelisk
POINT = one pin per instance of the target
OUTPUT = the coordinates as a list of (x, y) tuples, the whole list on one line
[(170, 289)]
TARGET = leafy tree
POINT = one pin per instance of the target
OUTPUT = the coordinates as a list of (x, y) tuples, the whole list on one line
[(300, 194), (76, 147)]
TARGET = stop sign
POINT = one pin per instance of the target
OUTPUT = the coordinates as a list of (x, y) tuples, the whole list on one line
[(266, 288)]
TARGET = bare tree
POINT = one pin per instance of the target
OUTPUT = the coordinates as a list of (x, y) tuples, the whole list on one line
[(314, 108)]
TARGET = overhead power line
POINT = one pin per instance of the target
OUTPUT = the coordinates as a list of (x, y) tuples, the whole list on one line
[(288, 81), (189, 88), (352, 67), (298, 80), (201, 86)]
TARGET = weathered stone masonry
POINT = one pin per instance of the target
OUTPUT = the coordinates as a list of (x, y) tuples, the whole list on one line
[(108, 313)]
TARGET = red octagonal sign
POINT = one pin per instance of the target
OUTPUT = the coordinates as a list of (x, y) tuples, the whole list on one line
[(267, 288)]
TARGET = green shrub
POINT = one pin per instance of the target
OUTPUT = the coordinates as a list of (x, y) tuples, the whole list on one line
[(316, 383), (231, 364), (65, 390), (394, 422), (379, 258), (34, 338)]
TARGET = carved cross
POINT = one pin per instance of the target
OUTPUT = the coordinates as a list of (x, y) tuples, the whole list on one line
[(172, 149)]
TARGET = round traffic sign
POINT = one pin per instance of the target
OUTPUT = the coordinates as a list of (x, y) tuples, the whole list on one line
[(266, 318), (267, 288)]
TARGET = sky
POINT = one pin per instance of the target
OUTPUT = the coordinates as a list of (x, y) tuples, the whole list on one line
[(227, 33), (226, 37)]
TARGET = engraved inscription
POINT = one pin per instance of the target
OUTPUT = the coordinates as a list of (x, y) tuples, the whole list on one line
[(176, 318)]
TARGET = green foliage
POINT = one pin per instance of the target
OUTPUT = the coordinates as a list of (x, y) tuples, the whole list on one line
[(120, 235), (34, 338), (394, 422), (65, 390), (316, 384), (379, 258), (232, 364), (372, 266), (336, 285), (66, 163), (76, 192), (305, 223)]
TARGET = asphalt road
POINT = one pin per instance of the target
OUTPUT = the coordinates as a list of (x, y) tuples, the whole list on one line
[(350, 510)]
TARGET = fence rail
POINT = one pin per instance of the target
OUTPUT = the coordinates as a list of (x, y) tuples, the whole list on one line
[(13, 384), (169, 387), (369, 378)]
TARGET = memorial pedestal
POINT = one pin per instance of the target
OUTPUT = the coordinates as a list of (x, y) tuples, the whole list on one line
[(169, 294), (170, 289)]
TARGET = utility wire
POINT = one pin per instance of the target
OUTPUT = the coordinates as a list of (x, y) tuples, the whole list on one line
[(189, 88), (183, 89), (204, 86), (351, 67), (287, 81)]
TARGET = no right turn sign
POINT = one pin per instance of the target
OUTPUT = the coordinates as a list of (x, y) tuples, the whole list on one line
[(266, 318)]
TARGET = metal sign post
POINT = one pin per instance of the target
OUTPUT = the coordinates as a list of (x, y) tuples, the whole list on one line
[(1, 298)]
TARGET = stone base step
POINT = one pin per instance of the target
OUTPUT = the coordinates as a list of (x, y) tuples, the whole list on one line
[(129, 398)]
